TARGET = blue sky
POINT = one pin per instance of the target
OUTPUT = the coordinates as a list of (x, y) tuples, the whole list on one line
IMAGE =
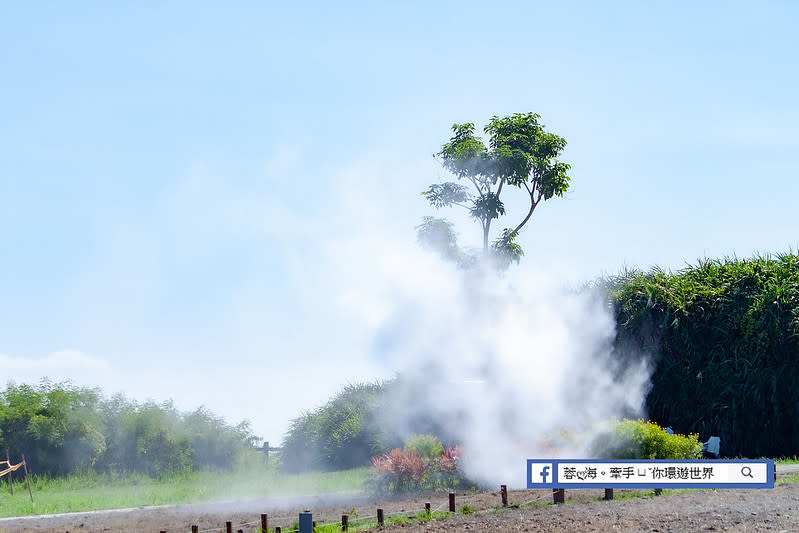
[(183, 185)]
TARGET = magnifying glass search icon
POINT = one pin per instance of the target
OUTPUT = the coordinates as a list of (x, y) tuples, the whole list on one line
[(747, 471)]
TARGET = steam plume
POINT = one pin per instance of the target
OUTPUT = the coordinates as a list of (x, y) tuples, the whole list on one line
[(505, 364)]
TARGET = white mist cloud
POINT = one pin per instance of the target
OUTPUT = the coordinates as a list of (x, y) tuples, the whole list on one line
[(503, 362)]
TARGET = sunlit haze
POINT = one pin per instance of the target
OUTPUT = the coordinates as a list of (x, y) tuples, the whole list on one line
[(217, 205)]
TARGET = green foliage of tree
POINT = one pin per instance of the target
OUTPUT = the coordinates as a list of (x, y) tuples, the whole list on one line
[(54, 423), (341, 434), (521, 155), (439, 235), (724, 335), (62, 429)]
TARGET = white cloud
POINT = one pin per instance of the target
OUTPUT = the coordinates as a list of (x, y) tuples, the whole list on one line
[(65, 365), (61, 361)]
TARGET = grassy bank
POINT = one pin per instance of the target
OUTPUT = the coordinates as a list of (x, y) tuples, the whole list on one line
[(94, 491)]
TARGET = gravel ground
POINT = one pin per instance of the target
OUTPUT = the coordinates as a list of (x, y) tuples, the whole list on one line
[(701, 510)]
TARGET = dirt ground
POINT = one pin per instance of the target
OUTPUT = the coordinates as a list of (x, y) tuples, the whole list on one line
[(701, 510)]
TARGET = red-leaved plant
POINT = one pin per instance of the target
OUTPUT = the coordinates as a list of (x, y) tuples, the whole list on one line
[(400, 471), (448, 462)]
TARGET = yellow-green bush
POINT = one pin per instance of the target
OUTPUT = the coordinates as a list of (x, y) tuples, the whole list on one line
[(639, 439)]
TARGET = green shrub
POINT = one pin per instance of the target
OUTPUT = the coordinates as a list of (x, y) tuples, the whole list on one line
[(639, 439), (724, 338), (425, 446), (339, 435)]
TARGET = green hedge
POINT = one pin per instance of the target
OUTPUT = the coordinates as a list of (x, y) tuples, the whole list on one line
[(725, 339)]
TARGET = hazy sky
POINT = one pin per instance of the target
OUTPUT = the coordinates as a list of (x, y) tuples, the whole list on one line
[(189, 192)]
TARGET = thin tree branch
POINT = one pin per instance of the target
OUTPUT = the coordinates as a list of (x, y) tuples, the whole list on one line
[(499, 189), (533, 204), (476, 186)]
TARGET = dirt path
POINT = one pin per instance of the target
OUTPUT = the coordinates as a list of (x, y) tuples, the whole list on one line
[(702, 510)]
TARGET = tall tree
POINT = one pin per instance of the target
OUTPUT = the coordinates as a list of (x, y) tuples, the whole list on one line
[(520, 155)]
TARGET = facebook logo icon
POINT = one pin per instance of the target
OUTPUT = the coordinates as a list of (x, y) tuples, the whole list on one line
[(540, 474)]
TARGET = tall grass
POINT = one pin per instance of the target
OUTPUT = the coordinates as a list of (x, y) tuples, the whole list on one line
[(725, 340), (83, 492)]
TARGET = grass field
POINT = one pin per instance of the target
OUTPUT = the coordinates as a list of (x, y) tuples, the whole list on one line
[(94, 492)]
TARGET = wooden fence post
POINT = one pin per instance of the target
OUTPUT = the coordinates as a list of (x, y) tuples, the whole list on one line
[(559, 495), (228, 527), (345, 523), (451, 502), (503, 491), (264, 523), (427, 509), (27, 478), (195, 529), (278, 530), (380, 517), (10, 481), (608, 494)]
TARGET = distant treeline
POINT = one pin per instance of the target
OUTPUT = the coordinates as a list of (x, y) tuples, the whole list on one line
[(723, 338), (64, 429)]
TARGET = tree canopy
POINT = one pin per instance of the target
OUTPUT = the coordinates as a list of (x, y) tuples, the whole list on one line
[(61, 428), (520, 155)]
